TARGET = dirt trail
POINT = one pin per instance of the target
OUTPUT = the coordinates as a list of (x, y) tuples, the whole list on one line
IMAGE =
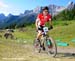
[(19, 52)]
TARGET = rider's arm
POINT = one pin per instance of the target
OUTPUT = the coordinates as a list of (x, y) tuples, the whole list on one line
[(50, 21), (36, 23), (51, 24)]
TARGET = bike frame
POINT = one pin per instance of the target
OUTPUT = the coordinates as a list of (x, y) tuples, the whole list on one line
[(45, 36)]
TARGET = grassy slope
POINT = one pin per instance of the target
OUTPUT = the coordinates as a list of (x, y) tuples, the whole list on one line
[(63, 30), (9, 49)]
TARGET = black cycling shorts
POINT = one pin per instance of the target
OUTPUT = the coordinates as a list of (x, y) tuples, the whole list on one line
[(40, 28)]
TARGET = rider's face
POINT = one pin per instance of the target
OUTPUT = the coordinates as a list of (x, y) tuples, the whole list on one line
[(45, 12)]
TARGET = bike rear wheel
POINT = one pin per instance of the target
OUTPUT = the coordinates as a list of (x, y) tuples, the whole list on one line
[(50, 46)]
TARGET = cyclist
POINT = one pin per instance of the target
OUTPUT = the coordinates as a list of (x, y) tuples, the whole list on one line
[(41, 20)]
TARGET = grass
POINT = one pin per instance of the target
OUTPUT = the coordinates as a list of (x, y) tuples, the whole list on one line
[(63, 30), (16, 48)]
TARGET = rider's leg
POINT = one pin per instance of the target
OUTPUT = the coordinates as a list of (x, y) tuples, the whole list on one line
[(39, 35), (40, 29)]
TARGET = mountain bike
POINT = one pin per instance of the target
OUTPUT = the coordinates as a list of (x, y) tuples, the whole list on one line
[(46, 43)]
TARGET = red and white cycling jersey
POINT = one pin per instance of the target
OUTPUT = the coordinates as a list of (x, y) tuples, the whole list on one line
[(43, 19)]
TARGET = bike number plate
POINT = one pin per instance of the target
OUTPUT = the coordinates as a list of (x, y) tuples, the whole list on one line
[(45, 29)]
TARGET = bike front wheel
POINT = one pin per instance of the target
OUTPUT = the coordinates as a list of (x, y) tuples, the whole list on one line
[(36, 45), (51, 47)]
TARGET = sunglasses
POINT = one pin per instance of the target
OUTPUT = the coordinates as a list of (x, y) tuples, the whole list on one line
[(46, 11)]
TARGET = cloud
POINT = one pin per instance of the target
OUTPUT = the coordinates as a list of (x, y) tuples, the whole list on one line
[(3, 5), (4, 8), (9, 8)]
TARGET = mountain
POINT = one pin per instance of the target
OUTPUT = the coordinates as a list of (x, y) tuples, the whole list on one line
[(10, 20), (28, 11), (22, 20), (70, 6), (2, 17), (37, 9), (29, 16), (67, 14), (25, 20), (54, 9)]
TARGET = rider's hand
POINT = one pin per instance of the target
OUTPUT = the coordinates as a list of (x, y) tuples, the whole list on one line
[(51, 27)]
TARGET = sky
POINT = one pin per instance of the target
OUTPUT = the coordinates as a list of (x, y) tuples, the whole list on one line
[(16, 7)]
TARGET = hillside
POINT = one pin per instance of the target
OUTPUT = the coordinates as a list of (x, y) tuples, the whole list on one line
[(63, 31), (22, 48)]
